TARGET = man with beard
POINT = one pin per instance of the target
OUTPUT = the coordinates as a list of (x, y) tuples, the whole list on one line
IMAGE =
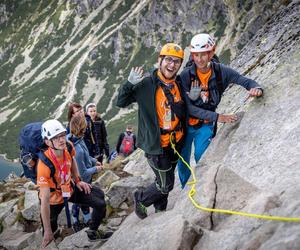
[(161, 115)]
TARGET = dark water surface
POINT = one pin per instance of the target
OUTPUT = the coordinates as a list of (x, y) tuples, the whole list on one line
[(6, 167)]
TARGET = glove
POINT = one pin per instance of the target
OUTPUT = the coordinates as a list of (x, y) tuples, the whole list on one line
[(195, 91), (136, 75)]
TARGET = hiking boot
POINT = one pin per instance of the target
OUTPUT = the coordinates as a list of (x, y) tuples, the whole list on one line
[(87, 224), (77, 226), (98, 235), (139, 209), (57, 233)]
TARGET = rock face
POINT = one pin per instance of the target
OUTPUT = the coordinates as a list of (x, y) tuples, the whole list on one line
[(251, 166)]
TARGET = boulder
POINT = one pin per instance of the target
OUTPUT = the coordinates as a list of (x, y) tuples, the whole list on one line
[(31, 209), (105, 180), (122, 190), (6, 208), (76, 241), (160, 231), (14, 240)]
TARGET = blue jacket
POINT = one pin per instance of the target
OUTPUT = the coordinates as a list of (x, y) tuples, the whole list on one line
[(228, 76), (86, 163)]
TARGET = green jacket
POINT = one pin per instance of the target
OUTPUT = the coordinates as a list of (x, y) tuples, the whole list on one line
[(148, 137)]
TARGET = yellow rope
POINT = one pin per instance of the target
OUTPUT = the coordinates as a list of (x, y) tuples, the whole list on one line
[(192, 192)]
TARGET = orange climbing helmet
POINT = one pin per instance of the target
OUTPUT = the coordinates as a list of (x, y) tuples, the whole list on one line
[(172, 49)]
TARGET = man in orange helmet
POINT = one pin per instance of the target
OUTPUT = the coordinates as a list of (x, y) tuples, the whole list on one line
[(161, 116)]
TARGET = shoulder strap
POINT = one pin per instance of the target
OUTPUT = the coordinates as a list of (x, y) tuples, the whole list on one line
[(217, 70), (49, 164), (69, 147)]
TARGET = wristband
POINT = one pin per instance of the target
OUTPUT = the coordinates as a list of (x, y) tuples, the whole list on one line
[(77, 179)]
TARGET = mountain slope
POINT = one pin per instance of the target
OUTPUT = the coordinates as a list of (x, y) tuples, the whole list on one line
[(54, 52)]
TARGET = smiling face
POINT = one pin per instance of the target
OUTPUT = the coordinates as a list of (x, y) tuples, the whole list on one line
[(92, 112), (169, 66), (202, 59)]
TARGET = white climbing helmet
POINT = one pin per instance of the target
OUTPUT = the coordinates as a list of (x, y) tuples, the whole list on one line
[(202, 43), (52, 128)]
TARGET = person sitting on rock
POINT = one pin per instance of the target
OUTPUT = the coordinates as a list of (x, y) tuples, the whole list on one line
[(161, 116), (203, 83), (64, 185), (127, 142), (87, 166)]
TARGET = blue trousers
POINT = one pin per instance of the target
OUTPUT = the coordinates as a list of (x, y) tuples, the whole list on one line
[(201, 138)]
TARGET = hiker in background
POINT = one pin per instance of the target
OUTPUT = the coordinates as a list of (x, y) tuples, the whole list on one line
[(87, 166), (204, 82), (100, 130), (161, 116), (127, 142), (65, 185), (75, 109)]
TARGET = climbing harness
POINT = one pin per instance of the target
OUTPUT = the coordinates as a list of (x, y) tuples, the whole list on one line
[(192, 192)]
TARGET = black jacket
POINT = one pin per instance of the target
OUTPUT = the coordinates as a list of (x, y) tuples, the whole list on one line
[(148, 137), (101, 136), (90, 137)]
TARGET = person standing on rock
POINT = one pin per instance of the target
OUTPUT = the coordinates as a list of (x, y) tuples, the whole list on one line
[(126, 142), (100, 131), (203, 83), (161, 115), (90, 139), (63, 184)]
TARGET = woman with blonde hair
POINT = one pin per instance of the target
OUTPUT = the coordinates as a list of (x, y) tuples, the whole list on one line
[(87, 165)]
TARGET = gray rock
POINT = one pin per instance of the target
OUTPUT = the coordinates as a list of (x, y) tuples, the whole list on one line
[(11, 218), (122, 190), (137, 165), (76, 241), (29, 185), (114, 222), (6, 208), (15, 240), (105, 180), (168, 231), (31, 209)]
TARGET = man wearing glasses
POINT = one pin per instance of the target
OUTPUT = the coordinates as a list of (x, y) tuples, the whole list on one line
[(161, 115)]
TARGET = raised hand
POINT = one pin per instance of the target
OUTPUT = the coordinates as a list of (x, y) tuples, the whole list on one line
[(136, 75), (194, 91)]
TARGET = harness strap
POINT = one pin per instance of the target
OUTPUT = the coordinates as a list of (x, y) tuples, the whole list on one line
[(167, 131)]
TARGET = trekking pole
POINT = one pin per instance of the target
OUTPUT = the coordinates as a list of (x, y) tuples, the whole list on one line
[(67, 212)]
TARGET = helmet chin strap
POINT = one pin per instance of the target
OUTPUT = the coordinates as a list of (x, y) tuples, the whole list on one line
[(53, 145)]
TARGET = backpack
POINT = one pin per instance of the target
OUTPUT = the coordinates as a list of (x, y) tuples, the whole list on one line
[(127, 145), (32, 146)]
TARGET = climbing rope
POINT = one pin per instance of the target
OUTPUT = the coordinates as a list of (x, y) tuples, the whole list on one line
[(192, 192)]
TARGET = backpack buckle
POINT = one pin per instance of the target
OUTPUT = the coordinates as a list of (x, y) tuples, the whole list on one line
[(27, 159)]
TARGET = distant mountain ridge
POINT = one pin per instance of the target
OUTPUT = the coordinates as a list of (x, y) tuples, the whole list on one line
[(53, 52)]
